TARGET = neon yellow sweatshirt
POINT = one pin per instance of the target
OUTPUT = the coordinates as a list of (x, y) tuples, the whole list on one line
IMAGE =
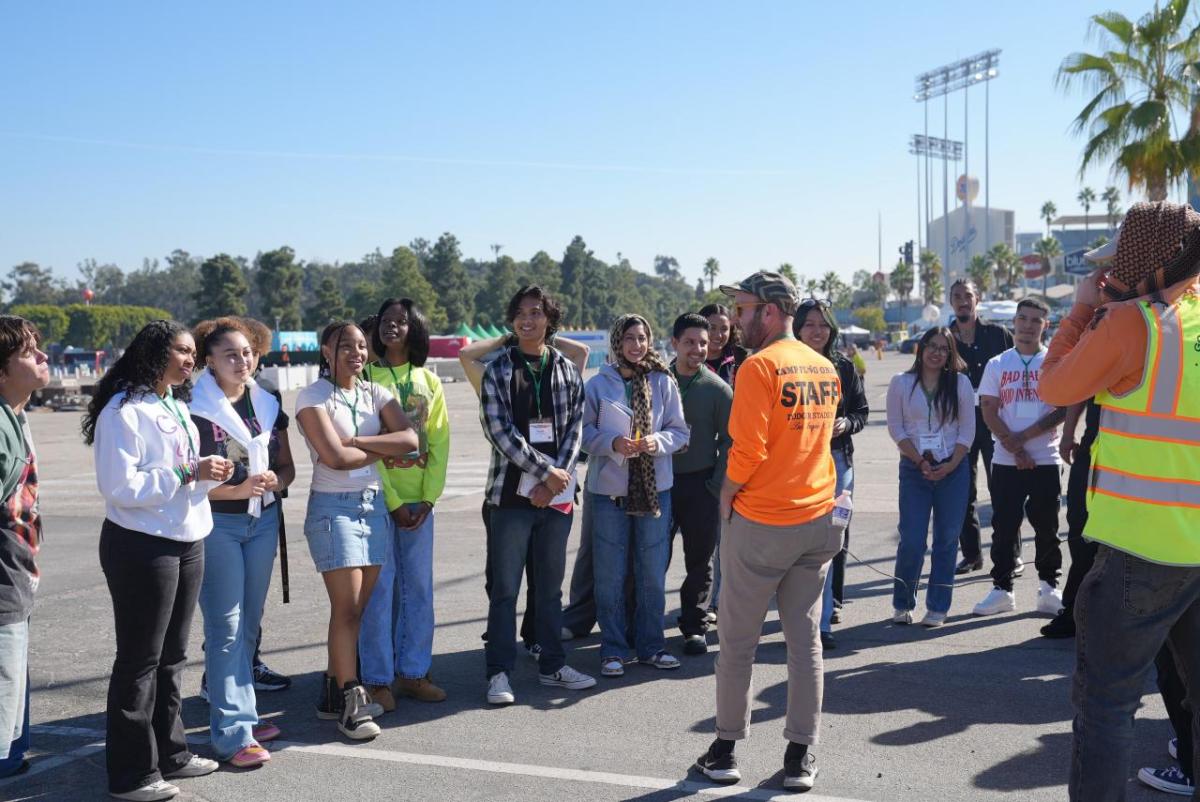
[(419, 392)]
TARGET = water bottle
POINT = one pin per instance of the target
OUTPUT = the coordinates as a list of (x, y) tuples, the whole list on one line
[(843, 508)]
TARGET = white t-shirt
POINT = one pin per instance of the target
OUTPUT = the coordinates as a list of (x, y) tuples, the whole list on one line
[(1008, 378), (344, 407)]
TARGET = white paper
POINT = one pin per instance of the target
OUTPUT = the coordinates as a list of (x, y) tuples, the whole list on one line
[(529, 482), (616, 419)]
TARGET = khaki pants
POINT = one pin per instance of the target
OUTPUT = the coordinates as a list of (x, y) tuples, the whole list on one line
[(758, 562)]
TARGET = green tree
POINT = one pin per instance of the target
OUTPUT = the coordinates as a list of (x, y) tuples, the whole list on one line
[(279, 281), (901, 282), (1112, 205), (103, 326), (711, 269), (445, 272), (1143, 83), (929, 266), (787, 271), (1007, 265), (574, 267), (327, 305), (980, 271), (30, 283), (105, 281), (1049, 212), (870, 318), (666, 266), (172, 288), (836, 291), (1049, 249), (52, 321), (222, 289), (700, 291), (402, 278), (491, 303), (1086, 198)]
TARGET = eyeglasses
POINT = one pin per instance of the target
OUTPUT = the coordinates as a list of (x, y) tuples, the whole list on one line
[(944, 350), (738, 308)]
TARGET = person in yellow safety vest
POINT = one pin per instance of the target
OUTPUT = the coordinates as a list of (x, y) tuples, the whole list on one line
[(1137, 350)]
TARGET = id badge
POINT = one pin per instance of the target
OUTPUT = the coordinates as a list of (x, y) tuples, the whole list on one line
[(1027, 410), (931, 443), (365, 472), (541, 430)]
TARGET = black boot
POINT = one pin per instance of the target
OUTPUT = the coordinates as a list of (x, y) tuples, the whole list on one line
[(331, 702), (1063, 625)]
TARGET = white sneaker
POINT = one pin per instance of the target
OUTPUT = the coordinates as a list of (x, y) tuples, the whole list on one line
[(997, 601), (154, 792), (195, 767), (499, 692), (1049, 599), (569, 678), (901, 616), (933, 619)]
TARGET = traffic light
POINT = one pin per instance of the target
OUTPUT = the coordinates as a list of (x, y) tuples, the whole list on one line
[(906, 250)]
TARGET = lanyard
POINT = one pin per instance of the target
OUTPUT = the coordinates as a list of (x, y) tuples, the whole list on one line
[(250, 410), (536, 378), (173, 408), (1025, 367), (629, 392), (683, 388), (404, 389), (929, 402), (353, 407)]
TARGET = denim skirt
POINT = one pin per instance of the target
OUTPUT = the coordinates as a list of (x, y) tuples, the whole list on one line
[(347, 530)]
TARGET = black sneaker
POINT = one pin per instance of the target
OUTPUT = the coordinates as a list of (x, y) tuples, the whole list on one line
[(267, 680), (799, 772), (967, 566), (694, 644), (827, 641), (1063, 625), (719, 764), (331, 702)]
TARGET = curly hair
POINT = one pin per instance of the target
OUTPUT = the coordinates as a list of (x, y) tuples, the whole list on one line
[(260, 335), (137, 371), (549, 306), (417, 340), (208, 332)]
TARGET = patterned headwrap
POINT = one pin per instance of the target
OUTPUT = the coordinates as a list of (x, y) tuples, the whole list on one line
[(1150, 250), (642, 496)]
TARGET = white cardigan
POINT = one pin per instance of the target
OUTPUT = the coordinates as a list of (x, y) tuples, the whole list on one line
[(138, 445)]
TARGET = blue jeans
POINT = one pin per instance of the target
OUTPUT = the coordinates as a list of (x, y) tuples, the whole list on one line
[(540, 534), (239, 556), (396, 636), (1126, 609), (845, 481), (947, 501), (613, 532), (14, 695)]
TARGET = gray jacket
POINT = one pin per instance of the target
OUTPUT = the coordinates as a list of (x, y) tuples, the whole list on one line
[(668, 428)]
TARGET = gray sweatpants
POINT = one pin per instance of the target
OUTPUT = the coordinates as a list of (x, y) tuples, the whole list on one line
[(758, 562)]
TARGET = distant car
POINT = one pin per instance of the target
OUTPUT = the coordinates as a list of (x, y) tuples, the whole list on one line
[(909, 346)]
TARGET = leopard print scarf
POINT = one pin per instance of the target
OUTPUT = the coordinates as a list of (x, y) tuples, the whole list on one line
[(642, 496)]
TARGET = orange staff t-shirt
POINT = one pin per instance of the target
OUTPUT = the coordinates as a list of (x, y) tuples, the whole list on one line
[(784, 405)]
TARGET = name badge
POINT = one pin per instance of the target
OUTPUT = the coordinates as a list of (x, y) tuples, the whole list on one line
[(541, 430), (365, 472), (931, 443), (1027, 410)]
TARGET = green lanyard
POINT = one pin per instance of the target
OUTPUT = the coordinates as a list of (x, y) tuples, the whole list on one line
[(536, 378), (1025, 367), (404, 389), (929, 401), (353, 407), (173, 408), (683, 388), (250, 409)]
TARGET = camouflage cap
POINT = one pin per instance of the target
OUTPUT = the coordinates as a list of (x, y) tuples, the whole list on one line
[(769, 287)]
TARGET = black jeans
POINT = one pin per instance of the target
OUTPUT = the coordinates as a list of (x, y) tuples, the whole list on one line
[(529, 620), (1179, 710), (696, 515), (1083, 552), (1034, 494), (970, 539), (154, 583)]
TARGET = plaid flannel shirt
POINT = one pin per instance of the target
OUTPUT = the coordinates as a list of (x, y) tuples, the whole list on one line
[(509, 447)]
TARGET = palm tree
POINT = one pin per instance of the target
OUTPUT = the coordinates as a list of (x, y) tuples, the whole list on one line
[(1049, 212), (980, 271), (1049, 249), (1112, 201), (901, 282), (787, 271), (829, 284), (711, 268), (929, 265), (1143, 83), (1007, 265), (1086, 198)]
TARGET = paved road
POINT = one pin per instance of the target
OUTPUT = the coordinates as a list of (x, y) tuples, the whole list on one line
[(978, 710)]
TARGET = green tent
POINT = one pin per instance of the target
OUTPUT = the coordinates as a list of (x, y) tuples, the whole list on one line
[(496, 331), (480, 333), (464, 330)]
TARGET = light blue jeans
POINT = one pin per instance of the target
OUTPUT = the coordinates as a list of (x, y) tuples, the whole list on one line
[(845, 481), (396, 635), (613, 534), (239, 556), (14, 695)]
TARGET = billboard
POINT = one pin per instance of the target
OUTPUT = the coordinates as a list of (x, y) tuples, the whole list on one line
[(1076, 265)]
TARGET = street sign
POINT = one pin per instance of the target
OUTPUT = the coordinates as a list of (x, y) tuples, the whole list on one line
[(1076, 265)]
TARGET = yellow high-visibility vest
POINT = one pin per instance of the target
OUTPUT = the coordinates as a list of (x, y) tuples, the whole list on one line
[(1144, 495)]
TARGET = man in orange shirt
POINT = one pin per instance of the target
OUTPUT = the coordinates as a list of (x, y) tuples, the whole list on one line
[(778, 536)]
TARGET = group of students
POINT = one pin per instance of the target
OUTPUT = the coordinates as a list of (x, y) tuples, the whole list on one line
[(758, 447)]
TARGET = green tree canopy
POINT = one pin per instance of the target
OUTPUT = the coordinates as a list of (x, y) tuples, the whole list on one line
[(445, 272), (327, 305), (222, 290), (279, 281), (402, 278)]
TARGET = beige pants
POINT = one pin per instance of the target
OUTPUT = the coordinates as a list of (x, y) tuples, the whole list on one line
[(758, 562)]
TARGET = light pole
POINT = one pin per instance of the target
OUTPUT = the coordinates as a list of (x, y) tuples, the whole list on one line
[(947, 150)]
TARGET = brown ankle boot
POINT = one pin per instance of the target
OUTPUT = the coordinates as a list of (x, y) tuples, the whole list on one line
[(420, 689), (382, 696)]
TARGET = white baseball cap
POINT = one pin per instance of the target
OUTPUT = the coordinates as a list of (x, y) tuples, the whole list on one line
[(1105, 253)]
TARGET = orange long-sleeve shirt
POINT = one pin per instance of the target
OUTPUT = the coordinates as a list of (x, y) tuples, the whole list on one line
[(1100, 349), (784, 405)]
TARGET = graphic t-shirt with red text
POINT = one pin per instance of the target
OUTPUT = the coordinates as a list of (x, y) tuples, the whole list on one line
[(1013, 378)]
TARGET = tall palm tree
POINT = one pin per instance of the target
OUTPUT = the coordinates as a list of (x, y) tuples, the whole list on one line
[(1049, 212), (1007, 264), (1086, 198), (787, 271), (1143, 83), (901, 282), (1112, 205), (929, 265), (980, 271), (1049, 249), (711, 268)]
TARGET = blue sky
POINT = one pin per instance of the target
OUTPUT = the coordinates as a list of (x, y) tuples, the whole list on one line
[(757, 133)]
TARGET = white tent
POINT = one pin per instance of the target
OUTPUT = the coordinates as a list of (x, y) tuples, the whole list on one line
[(997, 311), (854, 331)]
